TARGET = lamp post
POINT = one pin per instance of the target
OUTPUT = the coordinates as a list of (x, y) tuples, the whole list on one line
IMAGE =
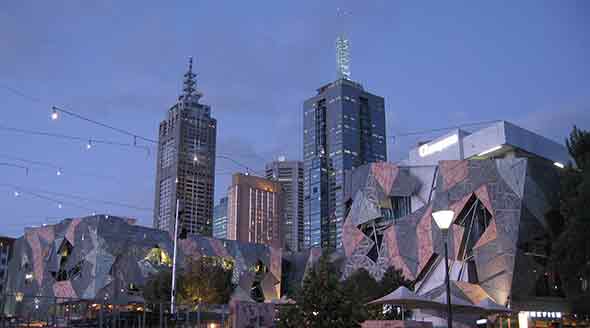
[(173, 289), (443, 220)]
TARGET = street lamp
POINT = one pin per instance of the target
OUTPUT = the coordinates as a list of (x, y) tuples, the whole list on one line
[(443, 220)]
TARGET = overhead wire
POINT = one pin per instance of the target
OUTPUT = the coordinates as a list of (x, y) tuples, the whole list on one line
[(20, 190), (104, 125), (42, 193), (88, 140)]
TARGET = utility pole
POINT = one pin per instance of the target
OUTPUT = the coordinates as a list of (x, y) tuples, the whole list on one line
[(173, 291)]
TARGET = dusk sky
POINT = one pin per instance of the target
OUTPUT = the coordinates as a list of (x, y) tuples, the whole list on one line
[(436, 63)]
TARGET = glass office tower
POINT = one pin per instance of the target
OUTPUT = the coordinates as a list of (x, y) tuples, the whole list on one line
[(344, 127)]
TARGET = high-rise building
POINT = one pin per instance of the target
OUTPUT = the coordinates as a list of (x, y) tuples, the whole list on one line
[(220, 219), (254, 210), (289, 174), (186, 163), (344, 127)]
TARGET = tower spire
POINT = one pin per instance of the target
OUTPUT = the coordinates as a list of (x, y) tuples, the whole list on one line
[(342, 49), (343, 57), (190, 84)]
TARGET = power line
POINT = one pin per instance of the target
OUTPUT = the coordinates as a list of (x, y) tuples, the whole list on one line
[(40, 193), (20, 93), (19, 190), (56, 109), (61, 168), (104, 125), (16, 166), (65, 169), (89, 141)]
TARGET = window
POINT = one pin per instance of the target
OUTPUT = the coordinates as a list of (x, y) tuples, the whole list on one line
[(165, 209), (167, 155)]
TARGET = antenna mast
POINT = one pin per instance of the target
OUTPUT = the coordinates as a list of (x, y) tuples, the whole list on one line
[(342, 50)]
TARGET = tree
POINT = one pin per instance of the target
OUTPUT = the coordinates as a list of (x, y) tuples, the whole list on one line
[(204, 280), (571, 248), (578, 145), (207, 279), (319, 302), (392, 280), (359, 289), (158, 287), (326, 301)]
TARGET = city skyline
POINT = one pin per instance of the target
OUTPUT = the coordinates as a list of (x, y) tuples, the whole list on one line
[(531, 72)]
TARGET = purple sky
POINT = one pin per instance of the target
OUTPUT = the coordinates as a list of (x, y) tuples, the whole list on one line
[(437, 64)]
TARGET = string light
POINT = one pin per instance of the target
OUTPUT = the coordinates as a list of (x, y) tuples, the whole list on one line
[(104, 125), (48, 195), (73, 138), (89, 144), (16, 193), (59, 205), (54, 114), (58, 172)]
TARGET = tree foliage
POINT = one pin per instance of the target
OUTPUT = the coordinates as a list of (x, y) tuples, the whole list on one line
[(158, 287), (326, 301), (208, 280), (571, 249), (578, 145), (203, 280)]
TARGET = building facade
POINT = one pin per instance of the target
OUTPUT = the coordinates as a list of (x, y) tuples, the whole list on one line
[(6, 244), (344, 128), (220, 219), (108, 259), (186, 163), (254, 210), (289, 174), (501, 182)]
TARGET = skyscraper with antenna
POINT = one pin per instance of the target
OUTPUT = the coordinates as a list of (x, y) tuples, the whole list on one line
[(344, 128), (186, 162)]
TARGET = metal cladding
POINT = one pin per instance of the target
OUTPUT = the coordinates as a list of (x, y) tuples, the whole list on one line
[(108, 258), (497, 238)]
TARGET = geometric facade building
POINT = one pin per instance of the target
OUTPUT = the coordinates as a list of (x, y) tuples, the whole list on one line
[(109, 258), (499, 241), (186, 163)]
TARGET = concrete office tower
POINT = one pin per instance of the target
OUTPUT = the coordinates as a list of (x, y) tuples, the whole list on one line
[(254, 210), (289, 174), (344, 128), (186, 163), (220, 219)]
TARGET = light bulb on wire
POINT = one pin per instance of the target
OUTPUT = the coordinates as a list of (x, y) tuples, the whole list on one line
[(89, 145), (59, 205), (54, 114), (58, 172), (16, 194), (195, 158)]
